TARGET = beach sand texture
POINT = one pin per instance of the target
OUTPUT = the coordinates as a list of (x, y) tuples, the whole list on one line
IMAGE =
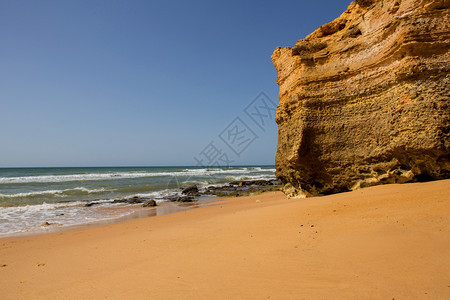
[(383, 242)]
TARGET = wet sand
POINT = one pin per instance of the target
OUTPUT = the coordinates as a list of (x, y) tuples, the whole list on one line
[(383, 242)]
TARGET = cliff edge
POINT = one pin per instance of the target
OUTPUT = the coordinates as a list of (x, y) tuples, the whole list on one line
[(364, 99)]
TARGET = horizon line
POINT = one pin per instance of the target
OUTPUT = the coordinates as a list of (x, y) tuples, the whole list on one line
[(136, 166)]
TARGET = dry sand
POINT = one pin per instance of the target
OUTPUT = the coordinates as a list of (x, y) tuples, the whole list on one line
[(382, 242)]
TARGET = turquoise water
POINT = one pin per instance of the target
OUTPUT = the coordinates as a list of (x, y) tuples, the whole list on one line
[(31, 196)]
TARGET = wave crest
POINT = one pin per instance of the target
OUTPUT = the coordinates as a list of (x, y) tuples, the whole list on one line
[(55, 193), (126, 175)]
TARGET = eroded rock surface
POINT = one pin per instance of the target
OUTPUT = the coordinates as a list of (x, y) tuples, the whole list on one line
[(364, 99)]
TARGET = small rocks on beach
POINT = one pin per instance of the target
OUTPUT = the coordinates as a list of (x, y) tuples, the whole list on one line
[(150, 203)]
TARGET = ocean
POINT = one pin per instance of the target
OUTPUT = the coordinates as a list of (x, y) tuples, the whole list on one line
[(33, 198)]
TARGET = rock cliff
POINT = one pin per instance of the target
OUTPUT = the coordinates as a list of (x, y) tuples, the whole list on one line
[(364, 99)]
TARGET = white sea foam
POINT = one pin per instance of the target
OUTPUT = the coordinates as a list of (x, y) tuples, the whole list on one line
[(29, 218), (72, 177), (126, 175), (158, 196), (23, 209), (254, 177), (57, 193)]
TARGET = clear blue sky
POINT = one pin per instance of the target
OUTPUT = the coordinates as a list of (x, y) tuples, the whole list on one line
[(130, 83)]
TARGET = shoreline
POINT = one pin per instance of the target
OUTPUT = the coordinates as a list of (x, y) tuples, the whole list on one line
[(35, 200), (189, 197), (388, 241), (136, 212)]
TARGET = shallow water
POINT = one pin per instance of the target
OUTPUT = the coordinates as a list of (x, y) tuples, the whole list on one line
[(29, 197)]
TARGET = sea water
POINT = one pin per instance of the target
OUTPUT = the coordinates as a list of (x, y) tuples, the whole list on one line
[(31, 198)]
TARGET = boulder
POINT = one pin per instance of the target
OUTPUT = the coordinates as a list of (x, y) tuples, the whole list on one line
[(150, 203), (185, 199), (190, 190)]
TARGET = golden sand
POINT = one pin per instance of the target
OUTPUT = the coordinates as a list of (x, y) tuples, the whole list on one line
[(382, 242)]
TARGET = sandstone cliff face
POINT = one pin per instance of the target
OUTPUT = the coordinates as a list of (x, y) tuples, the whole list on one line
[(364, 100)]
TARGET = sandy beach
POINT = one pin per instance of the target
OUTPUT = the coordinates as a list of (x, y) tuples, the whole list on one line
[(383, 242)]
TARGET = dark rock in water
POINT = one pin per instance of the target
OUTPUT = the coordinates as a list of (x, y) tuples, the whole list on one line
[(91, 204), (243, 188), (180, 198), (189, 194), (185, 199), (120, 201), (150, 203), (134, 200), (191, 190), (171, 198), (211, 190), (48, 224), (261, 182)]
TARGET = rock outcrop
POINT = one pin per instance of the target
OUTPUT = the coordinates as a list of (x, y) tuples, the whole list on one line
[(364, 99)]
